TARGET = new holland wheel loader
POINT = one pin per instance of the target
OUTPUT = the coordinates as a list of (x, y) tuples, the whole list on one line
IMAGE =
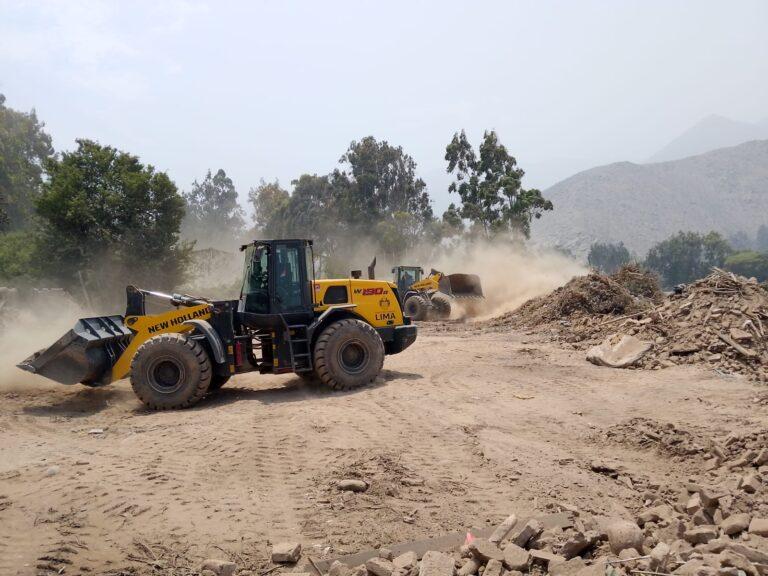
[(434, 296), (336, 331)]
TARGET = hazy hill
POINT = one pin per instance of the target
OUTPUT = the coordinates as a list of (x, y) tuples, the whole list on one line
[(724, 190), (711, 133)]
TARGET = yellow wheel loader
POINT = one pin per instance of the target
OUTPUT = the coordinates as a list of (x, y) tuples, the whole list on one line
[(285, 321), (435, 295)]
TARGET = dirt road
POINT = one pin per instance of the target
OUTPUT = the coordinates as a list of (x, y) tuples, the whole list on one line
[(462, 429)]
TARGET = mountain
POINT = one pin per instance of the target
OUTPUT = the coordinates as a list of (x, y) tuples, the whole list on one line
[(711, 133), (640, 204)]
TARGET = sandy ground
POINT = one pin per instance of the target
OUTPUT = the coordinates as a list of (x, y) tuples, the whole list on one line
[(491, 423)]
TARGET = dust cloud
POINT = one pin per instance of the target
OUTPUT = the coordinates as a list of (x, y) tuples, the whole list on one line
[(510, 275), (28, 327)]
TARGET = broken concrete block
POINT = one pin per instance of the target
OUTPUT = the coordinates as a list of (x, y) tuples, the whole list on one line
[(219, 567), (694, 504), (735, 523), (379, 567), (286, 552), (740, 335), (493, 568), (516, 558), (503, 529), (386, 553), (352, 485), (471, 566), (750, 483), (659, 557), (655, 514), (761, 458), (709, 497), (577, 543), (759, 526), (701, 534), (337, 569), (545, 558), (702, 517), (626, 555), (569, 568), (406, 560), (623, 534), (485, 550), (730, 559), (626, 352), (436, 564), (530, 530)]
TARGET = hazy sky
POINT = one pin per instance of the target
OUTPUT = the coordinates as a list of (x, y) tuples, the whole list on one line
[(273, 89)]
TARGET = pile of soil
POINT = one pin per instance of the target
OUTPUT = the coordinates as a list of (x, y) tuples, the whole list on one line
[(720, 321)]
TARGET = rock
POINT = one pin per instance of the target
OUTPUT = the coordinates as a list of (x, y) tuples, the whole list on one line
[(759, 526), (659, 557), (578, 543), (516, 558), (493, 568), (701, 534), (485, 550), (740, 335), (286, 552), (530, 530), (471, 566), (709, 498), (735, 523), (694, 504), (386, 553), (695, 567), (52, 471), (96, 431), (623, 534), (761, 458), (352, 485), (626, 554), (568, 568), (436, 564), (503, 529), (702, 517), (412, 482), (596, 569), (750, 483), (545, 558), (730, 559), (655, 514), (626, 352), (754, 556), (219, 567), (379, 567), (337, 569), (406, 560)]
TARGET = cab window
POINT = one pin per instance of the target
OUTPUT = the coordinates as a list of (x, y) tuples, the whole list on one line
[(288, 285)]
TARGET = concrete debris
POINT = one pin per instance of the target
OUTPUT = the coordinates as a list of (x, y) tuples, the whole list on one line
[(436, 564), (618, 351), (720, 321), (484, 550), (219, 567), (352, 485), (623, 534), (759, 526), (379, 567), (735, 523), (286, 552), (516, 558)]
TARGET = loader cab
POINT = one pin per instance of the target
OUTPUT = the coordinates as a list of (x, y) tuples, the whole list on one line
[(406, 276), (278, 279)]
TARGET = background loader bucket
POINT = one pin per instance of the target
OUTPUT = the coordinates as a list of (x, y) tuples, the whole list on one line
[(84, 354), (461, 285)]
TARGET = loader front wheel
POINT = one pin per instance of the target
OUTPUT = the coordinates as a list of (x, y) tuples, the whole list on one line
[(416, 307), (348, 354), (442, 305), (170, 371)]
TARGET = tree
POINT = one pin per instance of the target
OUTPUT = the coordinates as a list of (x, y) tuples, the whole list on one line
[(24, 148), (269, 200), (213, 215), (17, 255), (106, 214), (687, 256), (607, 257), (490, 187), (380, 181), (748, 263)]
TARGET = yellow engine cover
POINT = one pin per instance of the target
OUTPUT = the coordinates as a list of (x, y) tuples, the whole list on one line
[(374, 300)]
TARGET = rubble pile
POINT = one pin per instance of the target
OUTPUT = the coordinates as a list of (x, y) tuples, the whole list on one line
[(647, 433), (719, 321)]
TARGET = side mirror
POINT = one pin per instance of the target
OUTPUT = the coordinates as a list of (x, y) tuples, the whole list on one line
[(356, 274)]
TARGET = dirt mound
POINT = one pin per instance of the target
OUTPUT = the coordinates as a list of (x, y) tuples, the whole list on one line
[(647, 433), (584, 295), (719, 321)]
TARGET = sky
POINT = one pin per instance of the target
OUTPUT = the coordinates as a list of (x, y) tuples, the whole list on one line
[(274, 89)]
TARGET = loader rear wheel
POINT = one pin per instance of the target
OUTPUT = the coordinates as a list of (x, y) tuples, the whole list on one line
[(417, 307), (348, 354), (170, 371), (441, 304)]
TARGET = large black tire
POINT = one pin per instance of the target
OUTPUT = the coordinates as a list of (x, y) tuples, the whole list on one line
[(348, 354), (170, 371), (441, 304), (310, 376), (217, 382), (417, 307)]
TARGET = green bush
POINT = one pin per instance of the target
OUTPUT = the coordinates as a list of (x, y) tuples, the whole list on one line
[(17, 250), (749, 263)]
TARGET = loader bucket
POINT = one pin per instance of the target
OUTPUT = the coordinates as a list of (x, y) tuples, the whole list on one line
[(85, 354), (461, 285)]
